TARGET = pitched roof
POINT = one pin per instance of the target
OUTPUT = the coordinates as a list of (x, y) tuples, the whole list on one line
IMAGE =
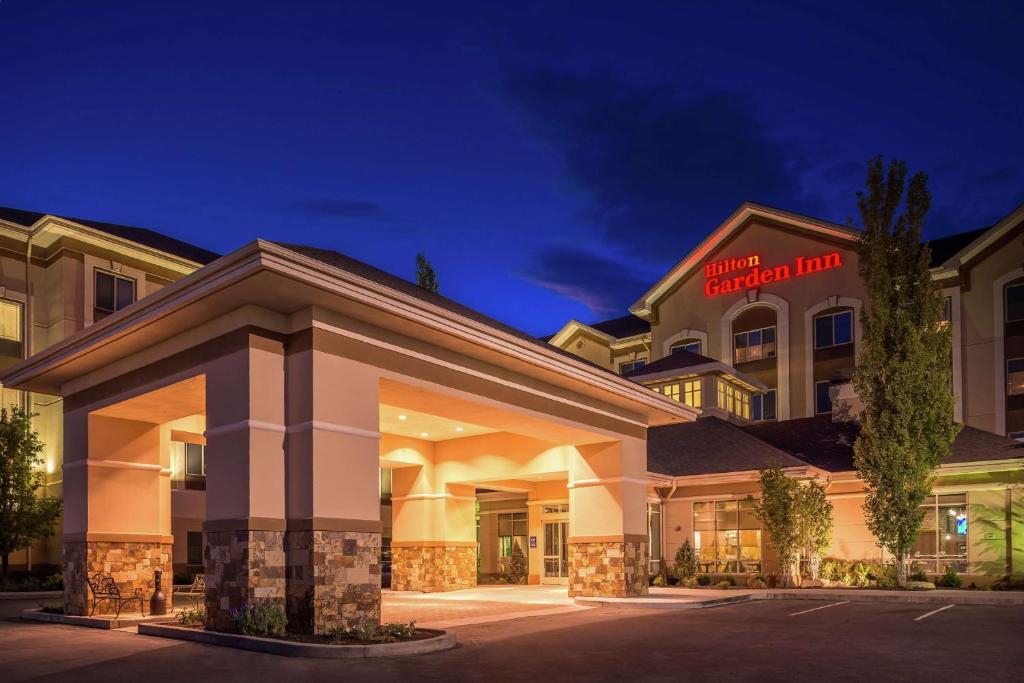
[(944, 248), (144, 236), (710, 445), (829, 445), (679, 360), (338, 260), (626, 326)]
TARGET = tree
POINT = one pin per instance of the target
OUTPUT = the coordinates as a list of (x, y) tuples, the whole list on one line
[(776, 508), (517, 569), (425, 275), (903, 371), (24, 516), (685, 565), (814, 523)]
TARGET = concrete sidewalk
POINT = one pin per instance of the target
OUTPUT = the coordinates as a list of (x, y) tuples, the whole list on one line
[(697, 598)]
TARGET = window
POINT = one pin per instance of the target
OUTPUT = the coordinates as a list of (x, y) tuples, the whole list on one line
[(561, 508), (691, 345), (833, 329), (762, 406), (691, 393), (194, 543), (10, 320), (733, 400), (754, 345), (1015, 376), (1014, 303), (727, 536), (670, 390), (188, 466), (512, 529), (629, 366), (654, 535), (112, 293), (822, 399), (942, 539), (385, 485)]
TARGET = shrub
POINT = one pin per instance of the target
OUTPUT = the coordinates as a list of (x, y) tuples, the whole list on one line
[(859, 574), (725, 585), (369, 632), (259, 619), (658, 580), (703, 580), (192, 617), (685, 565), (51, 609), (759, 583), (886, 577), (950, 579), (918, 576), (692, 582), (730, 579), (53, 582)]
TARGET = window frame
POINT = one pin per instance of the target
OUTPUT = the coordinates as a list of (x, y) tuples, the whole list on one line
[(20, 327), (760, 345), (759, 399), (1009, 372), (827, 383), (115, 276), (654, 517), (1006, 302), (633, 365), (935, 563), (726, 564), (683, 343), (833, 316), (510, 539)]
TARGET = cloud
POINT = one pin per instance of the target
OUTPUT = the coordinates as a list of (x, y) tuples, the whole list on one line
[(657, 170), (344, 209), (601, 284)]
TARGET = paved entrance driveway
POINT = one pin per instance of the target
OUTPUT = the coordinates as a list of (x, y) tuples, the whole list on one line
[(478, 605)]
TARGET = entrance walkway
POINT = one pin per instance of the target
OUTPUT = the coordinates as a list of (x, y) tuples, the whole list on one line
[(480, 605)]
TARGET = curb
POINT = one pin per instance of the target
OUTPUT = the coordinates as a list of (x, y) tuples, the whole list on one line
[(663, 603), (89, 622), (444, 640), (907, 597), (30, 595)]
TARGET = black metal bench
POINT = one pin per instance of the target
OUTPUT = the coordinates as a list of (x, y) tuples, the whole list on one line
[(197, 591), (104, 587)]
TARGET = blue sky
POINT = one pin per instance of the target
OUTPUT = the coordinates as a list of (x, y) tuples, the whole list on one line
[(551, 159)]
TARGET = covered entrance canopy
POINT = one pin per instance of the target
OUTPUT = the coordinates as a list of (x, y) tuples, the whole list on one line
[(307, 372)]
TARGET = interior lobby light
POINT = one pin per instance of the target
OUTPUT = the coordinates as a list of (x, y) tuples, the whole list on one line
[(403, 417), (459, 429), (424, 434)]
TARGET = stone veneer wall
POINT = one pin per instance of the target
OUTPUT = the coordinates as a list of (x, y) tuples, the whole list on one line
[(333, 579), (433, 568), (130, 563), (616, 569), (242, 566)]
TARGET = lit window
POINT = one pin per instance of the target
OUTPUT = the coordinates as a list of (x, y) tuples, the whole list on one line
[(822, 399), (754, 345), (691, 393), (691, 345), (112, 293), (762, 406), (727, 536), (512, 530), (10, 320), (654, 536), (630, 366), (833, 329), (670, 390), (1015, 376), (942, 538), (1015, 303), (733, 400)]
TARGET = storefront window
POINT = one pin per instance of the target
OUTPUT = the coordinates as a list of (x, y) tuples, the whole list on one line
[(512, 530), (942, 539), (727, 536), (654, 535)]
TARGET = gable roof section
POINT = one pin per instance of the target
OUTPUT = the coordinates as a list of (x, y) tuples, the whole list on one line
[(710, 446), (747, 211), (625, 326), (962, 248), (680, 360), (828, 445), (143, 236)]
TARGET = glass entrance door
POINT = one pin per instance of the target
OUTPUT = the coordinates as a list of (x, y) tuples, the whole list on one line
[(556, 552)]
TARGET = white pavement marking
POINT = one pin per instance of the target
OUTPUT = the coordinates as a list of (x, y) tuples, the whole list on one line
[(934, 611), (815, 609)]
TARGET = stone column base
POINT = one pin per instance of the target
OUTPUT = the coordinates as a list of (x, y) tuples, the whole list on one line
[(433, 568), (333, 579), (241, 567), (130, 563), (615, 569)]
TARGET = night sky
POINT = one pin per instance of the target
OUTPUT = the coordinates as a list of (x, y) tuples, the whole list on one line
[(551, 160)]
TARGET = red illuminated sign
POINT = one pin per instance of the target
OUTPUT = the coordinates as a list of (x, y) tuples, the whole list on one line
[(756, 276)]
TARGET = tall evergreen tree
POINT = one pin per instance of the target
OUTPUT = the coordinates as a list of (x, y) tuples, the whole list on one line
[(24, 516), (425, 275), (903, 371)]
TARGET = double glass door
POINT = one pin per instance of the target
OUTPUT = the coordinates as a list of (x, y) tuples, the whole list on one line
[(556, 552)]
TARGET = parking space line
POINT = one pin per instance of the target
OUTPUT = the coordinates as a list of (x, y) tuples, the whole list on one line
[(815, 609), (934, 611)]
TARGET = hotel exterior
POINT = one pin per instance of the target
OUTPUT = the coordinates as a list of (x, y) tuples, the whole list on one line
[(298, 425)]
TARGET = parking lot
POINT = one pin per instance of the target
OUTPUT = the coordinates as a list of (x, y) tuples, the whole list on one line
[(767, 641)]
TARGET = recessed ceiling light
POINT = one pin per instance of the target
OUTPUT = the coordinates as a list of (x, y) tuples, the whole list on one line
[(424, 434), (403, 417), (458, 429)]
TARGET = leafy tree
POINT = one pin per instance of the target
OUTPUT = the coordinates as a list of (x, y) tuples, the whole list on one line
[(517, 568), (24, 516), (685, 565), (425, 275), (776, 508), (903, 372), (814, 523)]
